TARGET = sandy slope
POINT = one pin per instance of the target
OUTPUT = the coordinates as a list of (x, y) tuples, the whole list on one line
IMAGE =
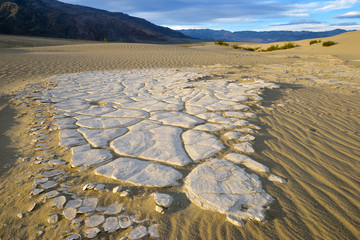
[(310, 135), (346, 47)]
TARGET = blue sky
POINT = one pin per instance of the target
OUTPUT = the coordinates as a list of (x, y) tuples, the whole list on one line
[(239, 15)]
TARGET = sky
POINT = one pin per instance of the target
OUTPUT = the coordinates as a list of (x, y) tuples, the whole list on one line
[(239, 15)]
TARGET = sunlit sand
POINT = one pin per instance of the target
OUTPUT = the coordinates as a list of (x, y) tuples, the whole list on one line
[(180, 142)]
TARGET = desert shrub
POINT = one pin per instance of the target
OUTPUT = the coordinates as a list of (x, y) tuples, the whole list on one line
[(250, 48), (235, 46), (219, 42), (289, 45), (328, 43), (285, 46), (273, 48), (314, 41)]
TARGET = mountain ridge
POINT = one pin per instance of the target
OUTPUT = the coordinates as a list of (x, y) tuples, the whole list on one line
[(258, 37), (52, 18)]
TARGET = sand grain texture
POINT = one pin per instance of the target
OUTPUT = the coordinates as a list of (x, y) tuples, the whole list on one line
[(310, 136)]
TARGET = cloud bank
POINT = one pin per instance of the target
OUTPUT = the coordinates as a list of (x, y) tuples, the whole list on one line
[(233, 14)]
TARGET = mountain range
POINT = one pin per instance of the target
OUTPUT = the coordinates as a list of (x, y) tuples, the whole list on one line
[(259, 37), (52, 18)]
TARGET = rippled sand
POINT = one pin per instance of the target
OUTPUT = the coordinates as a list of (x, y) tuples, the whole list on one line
[(309, 136)]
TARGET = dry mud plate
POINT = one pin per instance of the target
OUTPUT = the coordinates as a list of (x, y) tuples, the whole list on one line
[(151, 129)]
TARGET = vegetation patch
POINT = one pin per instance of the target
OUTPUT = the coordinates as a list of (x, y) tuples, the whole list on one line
[(328, 43), (277, 47), (314, 42), (221, 43), (250, 48)]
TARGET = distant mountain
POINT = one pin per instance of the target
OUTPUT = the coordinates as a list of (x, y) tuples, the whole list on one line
[(51, 18), (259, 37)]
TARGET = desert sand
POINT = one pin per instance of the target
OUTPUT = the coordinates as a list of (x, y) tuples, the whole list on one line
[(308, 135)]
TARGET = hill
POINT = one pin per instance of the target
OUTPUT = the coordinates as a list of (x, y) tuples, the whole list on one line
[(258, 37), (51, 18)]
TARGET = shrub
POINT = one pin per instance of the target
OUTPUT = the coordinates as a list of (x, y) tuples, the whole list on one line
[(314, 41), (328, 43), (285, 46), (289, 45), (250, 48), (272, 48), (235, 46), (219, 42)]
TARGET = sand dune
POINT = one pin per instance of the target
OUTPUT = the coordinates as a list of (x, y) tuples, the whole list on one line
[(345, 48), (309, 136)]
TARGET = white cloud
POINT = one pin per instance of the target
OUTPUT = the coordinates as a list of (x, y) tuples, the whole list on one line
[(180, 27), (233, 19), (305, 10), (302, 10), (355, 14), (339, 4), (298, 14), (233, 14), (310, 27)]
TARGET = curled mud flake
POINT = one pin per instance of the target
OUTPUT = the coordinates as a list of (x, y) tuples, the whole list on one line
[(85, 156), (92, 232), (138, 232), (229, 195), (52, 194), (70, 213), (76, 203), (88, 205), (111, 224), (125, 221), (117, 189), (53, 173), (246, 161), (94, 220), (49, 184), (245, 147), (153, 231), (163, 199), (36, 191), (200, 145), (275, 178), (159, 209), (53, 219), (59, 202), (114, 208), (135, 220), (138, 172), (73, 236)]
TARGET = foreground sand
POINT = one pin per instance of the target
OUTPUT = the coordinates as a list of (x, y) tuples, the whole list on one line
[(309, 135)]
